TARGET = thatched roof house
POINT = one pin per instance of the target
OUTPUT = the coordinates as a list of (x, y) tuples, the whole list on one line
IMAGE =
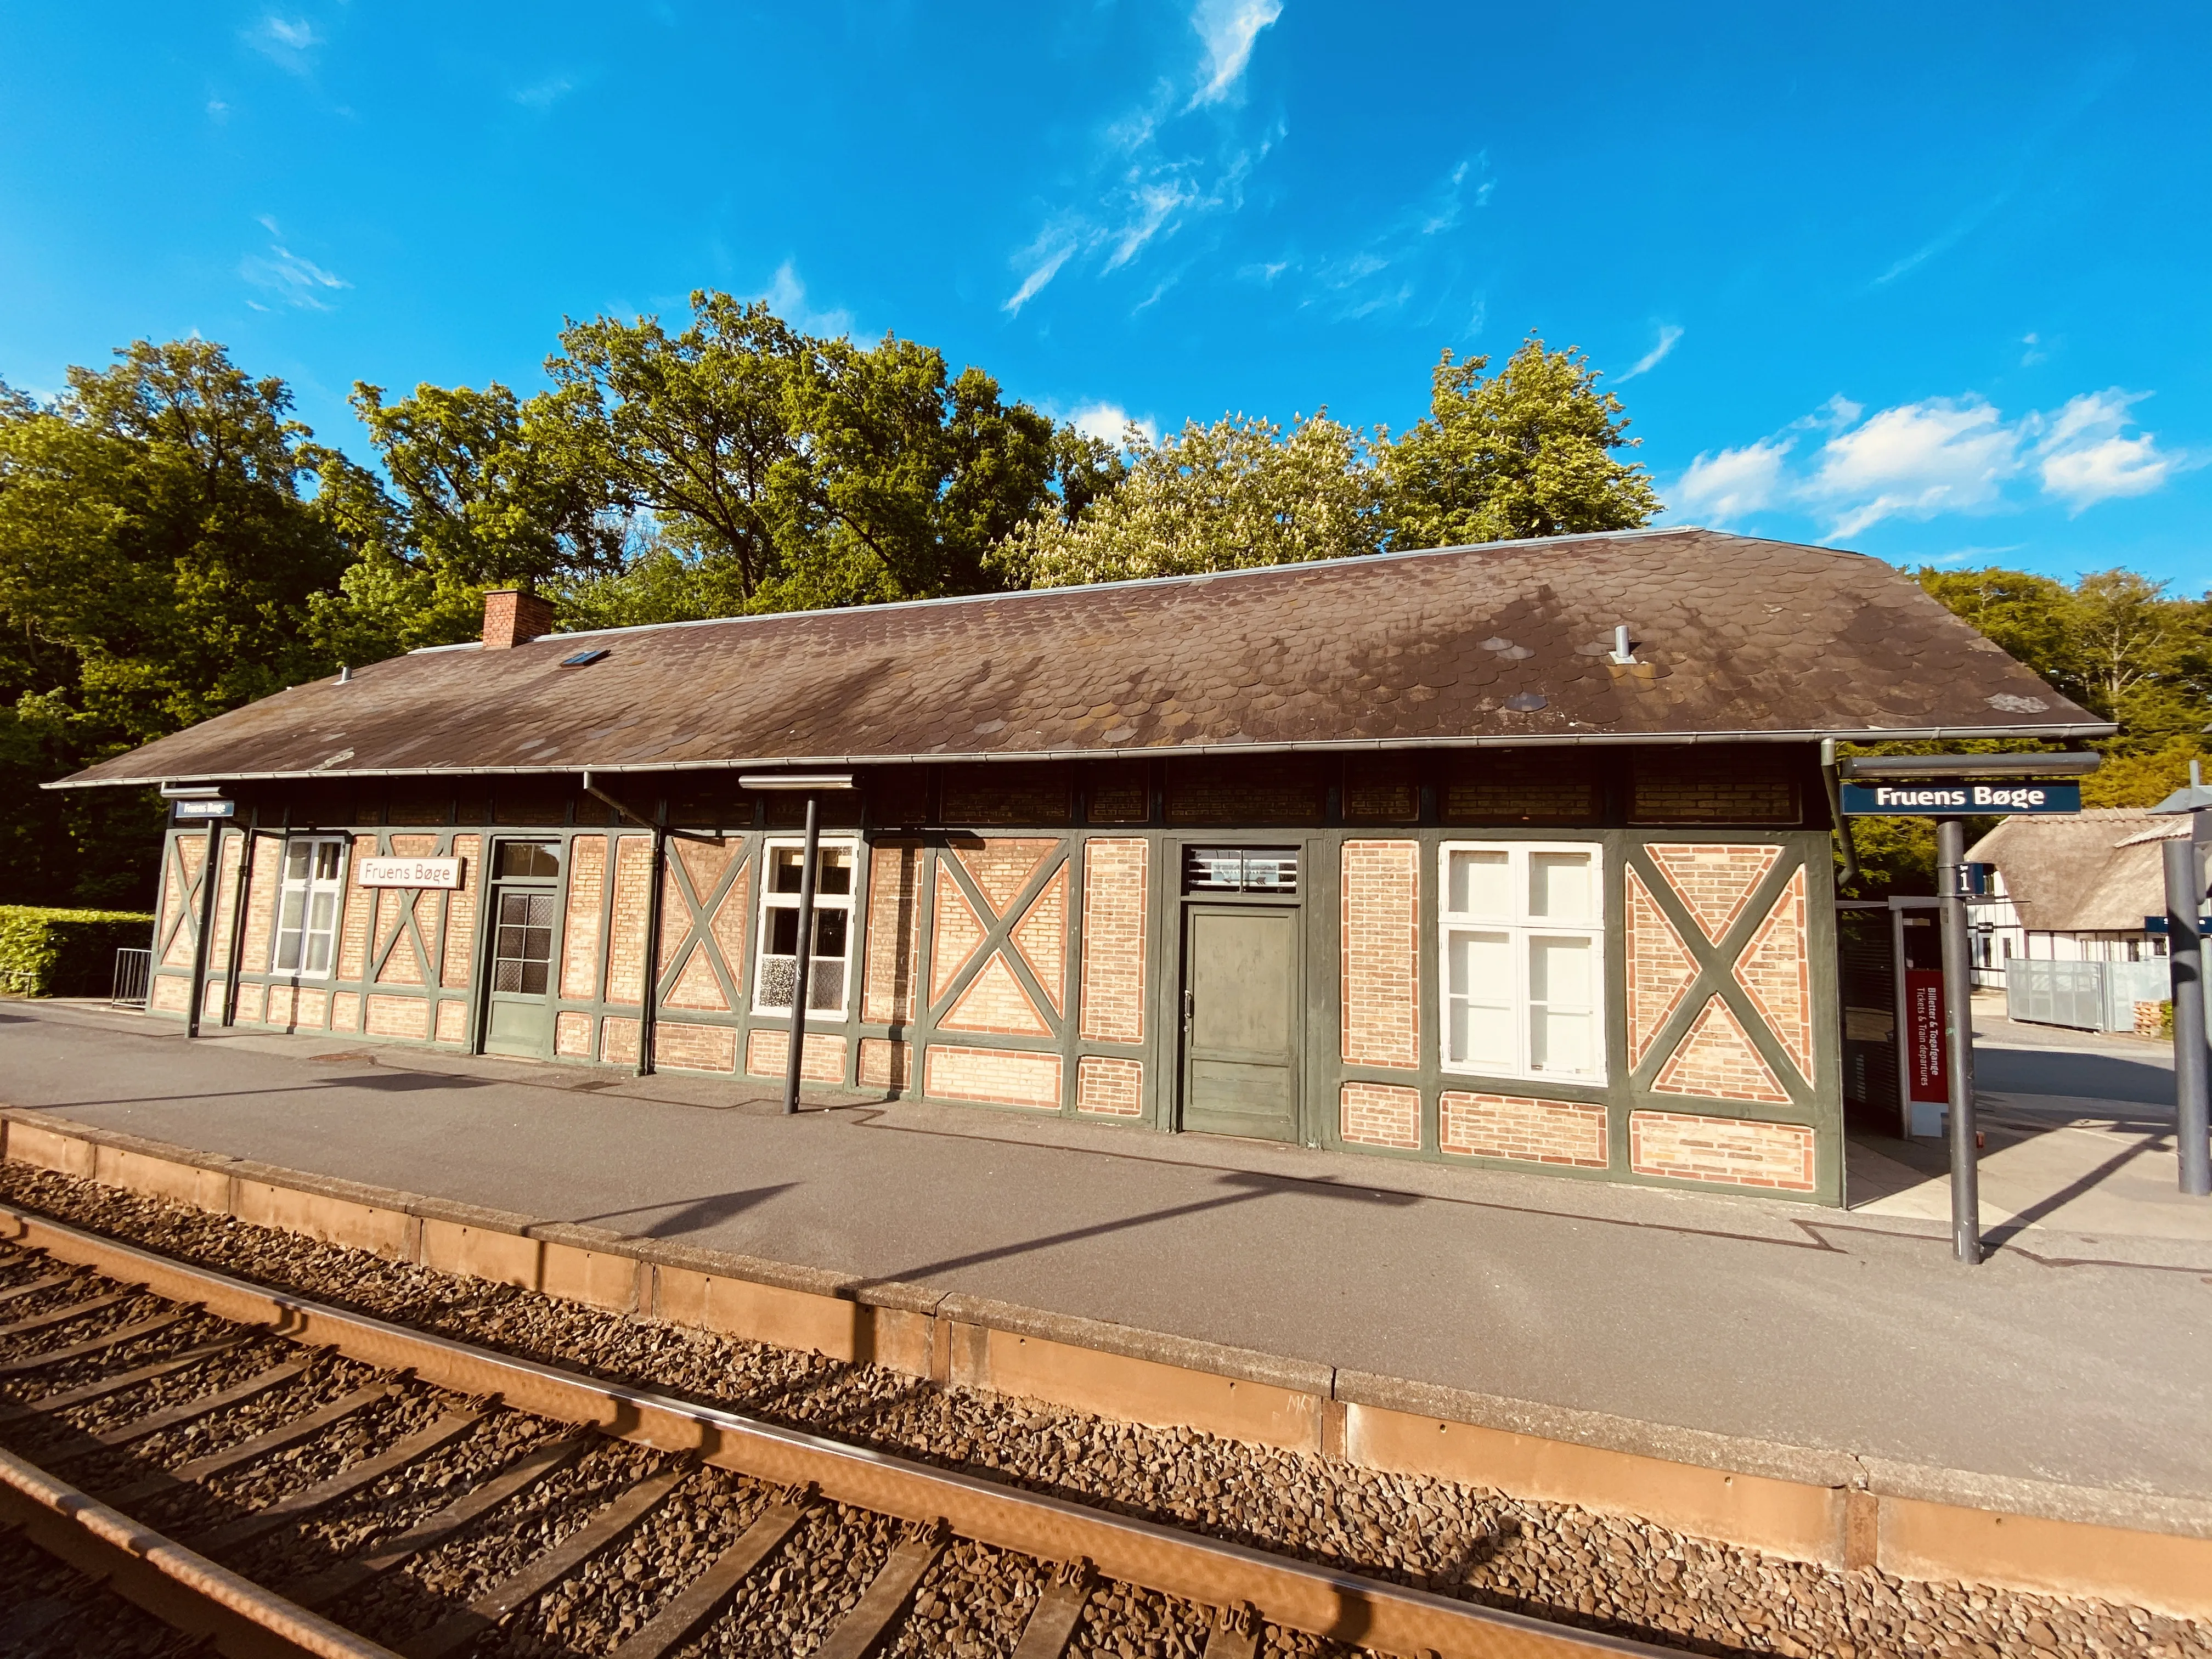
[(2099, 872)]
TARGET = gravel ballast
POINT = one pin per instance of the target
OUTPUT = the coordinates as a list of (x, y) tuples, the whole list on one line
[(1553, 1561)]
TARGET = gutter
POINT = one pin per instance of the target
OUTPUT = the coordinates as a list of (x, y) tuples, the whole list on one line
[(1360, 745), (1828, 776)]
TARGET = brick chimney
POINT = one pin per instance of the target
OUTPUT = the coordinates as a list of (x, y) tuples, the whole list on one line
[(513, 617)]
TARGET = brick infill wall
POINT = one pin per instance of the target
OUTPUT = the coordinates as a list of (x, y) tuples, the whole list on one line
[(1528, 1131), (1381, 968), (1380, 1115), (1735, 1151)]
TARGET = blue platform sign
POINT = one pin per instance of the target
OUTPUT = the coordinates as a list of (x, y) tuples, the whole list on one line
[(204, 809), (1951, 798), (2156, 927)]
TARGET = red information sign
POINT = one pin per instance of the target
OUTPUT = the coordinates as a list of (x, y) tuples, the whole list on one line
[(1923, 1034)]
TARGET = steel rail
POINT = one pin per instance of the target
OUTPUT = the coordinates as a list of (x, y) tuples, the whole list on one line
[(1301, 1595), (181, 1588)]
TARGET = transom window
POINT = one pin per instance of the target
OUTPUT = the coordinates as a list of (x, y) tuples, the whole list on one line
[(308, 903), (827, 965), (1522, 939), (1240, 870)]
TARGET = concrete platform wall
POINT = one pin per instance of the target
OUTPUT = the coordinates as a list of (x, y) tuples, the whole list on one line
[(1833, 1508)]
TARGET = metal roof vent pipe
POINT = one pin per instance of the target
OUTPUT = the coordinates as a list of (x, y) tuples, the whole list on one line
[(345, 673), (515, 615), (1624, 649)]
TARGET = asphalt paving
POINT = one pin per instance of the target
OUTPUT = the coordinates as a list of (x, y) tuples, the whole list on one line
[(2070, 1356)]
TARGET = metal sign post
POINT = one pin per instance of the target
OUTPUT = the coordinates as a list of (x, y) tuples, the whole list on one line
[(2192, 1077), (1951, 881), (2185, 956), (1943, 787)]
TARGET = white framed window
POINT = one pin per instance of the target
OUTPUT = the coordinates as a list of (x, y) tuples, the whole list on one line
[(829, 965), (309, 900), (1522, 939)]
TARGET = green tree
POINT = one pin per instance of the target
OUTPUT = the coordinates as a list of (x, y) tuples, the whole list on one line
[(907, 474), (2028, 615), (2119, 644), (690, 427), (162, 542), (485, 493), (2114, 641), (1239, 493), (784, 472), (1528, 451)]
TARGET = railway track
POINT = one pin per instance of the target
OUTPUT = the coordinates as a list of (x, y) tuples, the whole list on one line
[(281, 1476)]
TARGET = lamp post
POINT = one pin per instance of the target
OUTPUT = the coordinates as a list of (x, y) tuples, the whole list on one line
[(811, 784)]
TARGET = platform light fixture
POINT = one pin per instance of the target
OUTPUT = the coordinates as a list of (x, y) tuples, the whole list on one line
[(814, 785)]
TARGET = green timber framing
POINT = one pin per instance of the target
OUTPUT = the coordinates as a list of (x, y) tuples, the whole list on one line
[(980, 849)]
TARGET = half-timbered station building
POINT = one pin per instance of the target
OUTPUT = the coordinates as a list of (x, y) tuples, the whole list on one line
[(1514, 855)]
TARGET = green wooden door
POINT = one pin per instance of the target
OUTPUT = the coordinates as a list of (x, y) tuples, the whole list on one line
[(525, 913), (1241, 1022)]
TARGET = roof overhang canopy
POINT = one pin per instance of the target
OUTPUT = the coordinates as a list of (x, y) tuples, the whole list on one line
[(1734, 639)]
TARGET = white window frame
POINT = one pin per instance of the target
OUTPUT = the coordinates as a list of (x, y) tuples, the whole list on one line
[(771, 901), (1521, 928), (307, 888)]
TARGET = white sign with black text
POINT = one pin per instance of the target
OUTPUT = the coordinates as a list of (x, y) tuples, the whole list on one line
[(408, 872)]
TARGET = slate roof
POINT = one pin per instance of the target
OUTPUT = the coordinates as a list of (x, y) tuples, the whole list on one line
[(2100, 872), (1738, 638)]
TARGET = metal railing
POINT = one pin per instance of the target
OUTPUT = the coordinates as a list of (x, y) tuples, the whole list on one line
[(133, 970)]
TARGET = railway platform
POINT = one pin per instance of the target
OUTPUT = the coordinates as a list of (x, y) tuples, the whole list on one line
[(2075, 1355)]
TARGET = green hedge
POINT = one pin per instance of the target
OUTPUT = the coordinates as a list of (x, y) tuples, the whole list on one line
[(65, 953)]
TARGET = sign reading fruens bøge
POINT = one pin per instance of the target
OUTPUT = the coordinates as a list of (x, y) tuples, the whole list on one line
[(408, 872), (1947, 798)]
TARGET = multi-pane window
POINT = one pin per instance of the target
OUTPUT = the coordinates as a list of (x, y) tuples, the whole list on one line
[(522, 943), (522, 925), (307, 906), (1523, 973), (826, 968)]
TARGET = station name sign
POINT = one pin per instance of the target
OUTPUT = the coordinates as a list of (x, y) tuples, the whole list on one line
[(1937, 798), (203, 809), (408, 872)]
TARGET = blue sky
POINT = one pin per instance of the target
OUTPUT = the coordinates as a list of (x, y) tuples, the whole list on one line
[(1926, 281)]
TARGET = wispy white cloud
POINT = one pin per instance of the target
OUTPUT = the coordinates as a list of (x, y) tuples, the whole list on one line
[(2085, 459), (2035, 353), (1937, 456), (217, 110), (1044, 258), (1157, 168), (543, 95), (287, 42), (1447, 205), (1109, 423), (1724, 488), (1959, 555), (1229, 29), (292, 280), (1942, 455), (1398, 263), (787, 297), (1669, 335), (1958, 229)]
